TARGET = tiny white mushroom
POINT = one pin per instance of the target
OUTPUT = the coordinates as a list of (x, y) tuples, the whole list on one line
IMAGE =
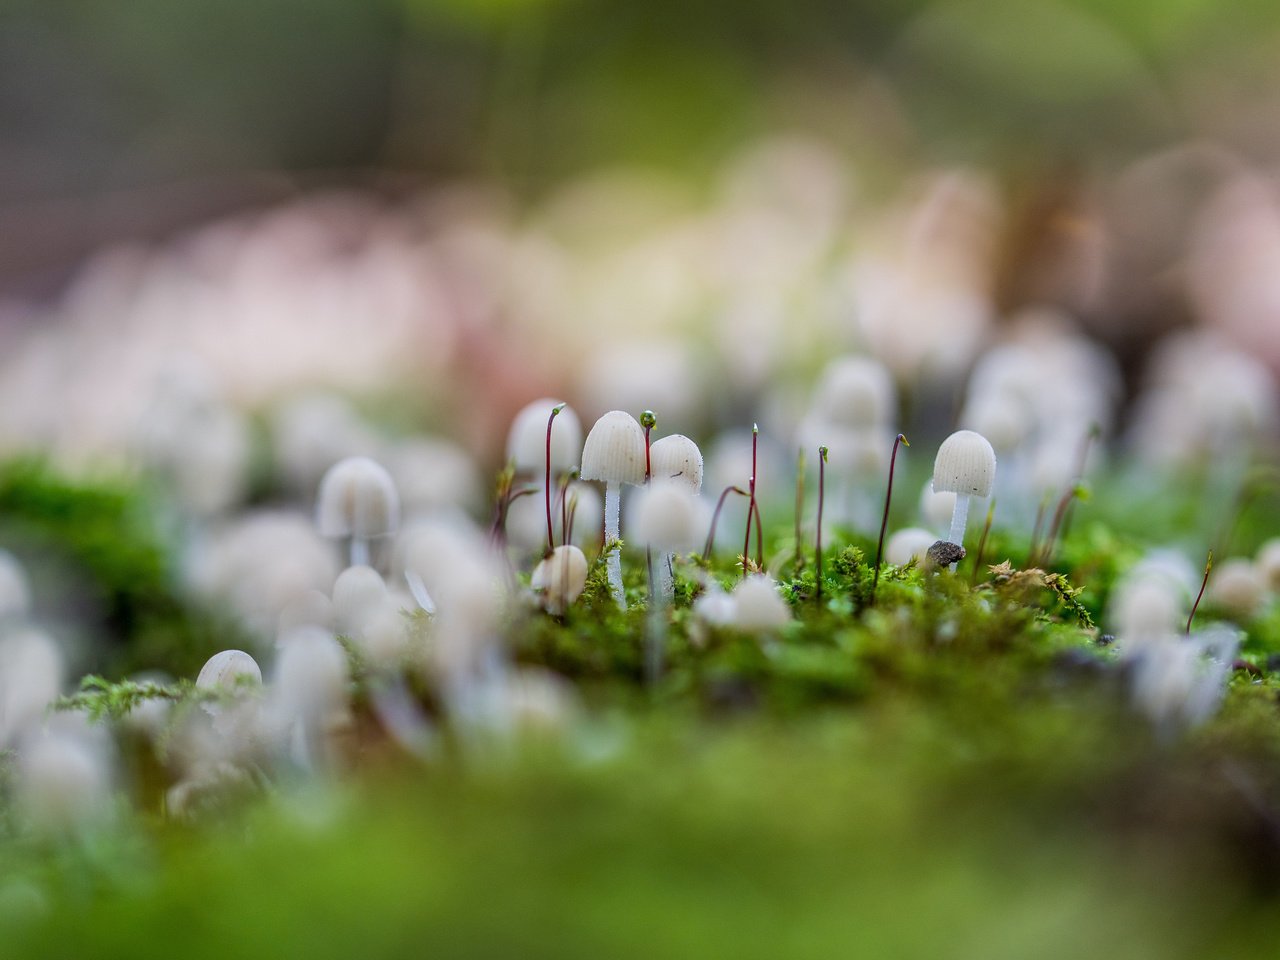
[(614, 454), (966, 466), (559, 579), (357, 500)]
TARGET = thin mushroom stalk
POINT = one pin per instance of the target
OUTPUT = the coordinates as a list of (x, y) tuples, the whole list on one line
[(965, 466), (615, 453)]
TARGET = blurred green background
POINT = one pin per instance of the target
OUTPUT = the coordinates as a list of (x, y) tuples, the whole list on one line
[(136, 117)]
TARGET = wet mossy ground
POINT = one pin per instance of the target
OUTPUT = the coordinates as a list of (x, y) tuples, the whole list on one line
[(953, 771)]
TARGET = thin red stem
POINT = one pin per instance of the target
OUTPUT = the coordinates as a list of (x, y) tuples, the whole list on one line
[(822, 488), (546, 485), (751, 507), (715, 517), (899, 440), (799, 507), (1203, 583)]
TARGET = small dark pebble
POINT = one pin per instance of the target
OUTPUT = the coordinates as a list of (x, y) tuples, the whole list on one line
[(1105, 639), (944, 553)]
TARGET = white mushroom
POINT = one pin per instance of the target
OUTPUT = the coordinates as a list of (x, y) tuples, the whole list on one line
[(614, 453), (357, 499), (559, 579), (527, 439), (965, 466)]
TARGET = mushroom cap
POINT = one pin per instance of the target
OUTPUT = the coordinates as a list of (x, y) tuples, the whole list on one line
[(966, 464), (936, 507), (1238, 587), (677, 458), (225, 668), (907, 544), (559, 579), (666, 515), (356, 592), (614, 451), (357, 498), (527, 439)]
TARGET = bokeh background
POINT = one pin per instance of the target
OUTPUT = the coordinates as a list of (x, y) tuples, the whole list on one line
[(447, 207)]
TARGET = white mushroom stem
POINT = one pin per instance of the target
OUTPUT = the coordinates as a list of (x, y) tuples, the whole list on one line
[(959, 519), (613, 563), (360, 552), (656, 641), (666, 578)]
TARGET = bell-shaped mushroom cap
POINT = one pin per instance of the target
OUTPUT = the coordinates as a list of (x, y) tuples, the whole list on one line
[(666, 515), (856, 391), (936, 506), (677, 458), (965, 464), (527, 440), (223, 670), (357, 498), (559, 579), (614, 451)]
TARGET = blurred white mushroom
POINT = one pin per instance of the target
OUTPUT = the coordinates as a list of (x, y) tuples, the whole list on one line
[(31, 676), (357, 500), (15, 589), (758, 607), (907, 544)]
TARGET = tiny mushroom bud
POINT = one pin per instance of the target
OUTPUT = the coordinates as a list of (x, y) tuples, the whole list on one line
[(357, 499), (614, 453), (965, 466), (559, 579)]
